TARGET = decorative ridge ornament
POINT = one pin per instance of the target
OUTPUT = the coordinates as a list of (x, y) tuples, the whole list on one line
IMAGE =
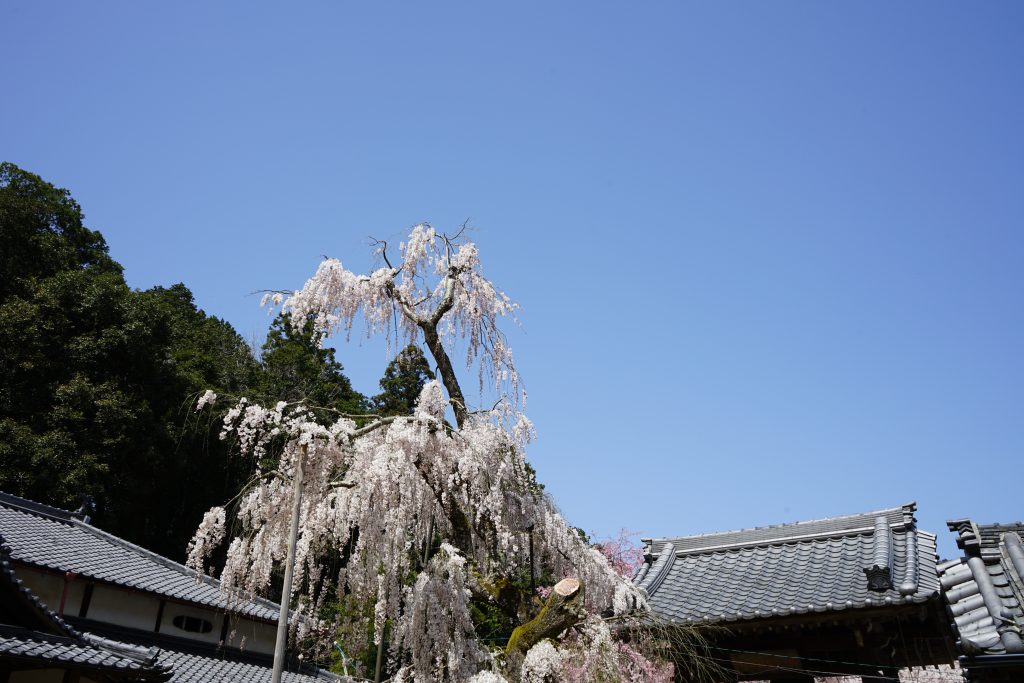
[(879, 574), (659, 570)]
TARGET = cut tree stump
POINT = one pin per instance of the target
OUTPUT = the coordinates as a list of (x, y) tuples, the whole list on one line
[(563, 608)]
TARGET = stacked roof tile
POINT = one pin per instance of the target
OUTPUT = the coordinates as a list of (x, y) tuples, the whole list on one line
[(984, 590), (43, 536), (35, 635), (48, 651), (866, 560), (195, 668), (49, 537)]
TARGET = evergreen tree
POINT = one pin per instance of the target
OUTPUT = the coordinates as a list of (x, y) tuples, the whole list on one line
[(295, 367), (98, 382), (42, 233), (81, 355), (402, 382)]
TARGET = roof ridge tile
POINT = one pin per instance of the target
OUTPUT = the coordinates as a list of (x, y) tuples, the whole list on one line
[(826, 527)]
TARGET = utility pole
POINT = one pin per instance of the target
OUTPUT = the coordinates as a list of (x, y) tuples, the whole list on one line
[(289, 568)]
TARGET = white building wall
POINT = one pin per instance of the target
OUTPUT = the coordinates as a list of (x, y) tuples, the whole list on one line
[(123, 608), (138, 610), (173, 609), (252, 636), (49, 587)]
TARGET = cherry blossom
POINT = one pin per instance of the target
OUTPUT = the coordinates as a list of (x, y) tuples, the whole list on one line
[(406, 496)]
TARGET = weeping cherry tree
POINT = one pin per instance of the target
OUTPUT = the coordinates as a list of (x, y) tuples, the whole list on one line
[(429, 516)]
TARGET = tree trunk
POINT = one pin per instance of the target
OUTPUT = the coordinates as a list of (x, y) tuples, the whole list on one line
[(462, 536), (564, 606), (447, 372), (563, 609)]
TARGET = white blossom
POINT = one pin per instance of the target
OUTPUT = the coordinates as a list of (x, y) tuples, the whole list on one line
[(541, 663), (207, 399), (208, 536), (487, 677), (384, 491), (334, 297)]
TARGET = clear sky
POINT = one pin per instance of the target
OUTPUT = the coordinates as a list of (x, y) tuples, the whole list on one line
[(769, 254)]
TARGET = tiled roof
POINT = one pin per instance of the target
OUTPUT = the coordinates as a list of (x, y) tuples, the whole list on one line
[(871, 559), (195, 668), (44, 649), (49, 537), (30, 632), (198, 662), (984, 590)]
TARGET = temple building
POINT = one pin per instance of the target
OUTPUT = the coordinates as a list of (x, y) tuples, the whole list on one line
[(857, 595), (79, 605), (984, 591)]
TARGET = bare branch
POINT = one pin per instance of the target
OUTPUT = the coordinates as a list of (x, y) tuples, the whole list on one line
[(462, 229), (383, 244)]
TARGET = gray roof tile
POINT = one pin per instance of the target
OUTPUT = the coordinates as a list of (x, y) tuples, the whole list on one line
[(33, 634), (194, 668), (984, 590), (57, 650), (30, 631), (792, 568), (48, 537)]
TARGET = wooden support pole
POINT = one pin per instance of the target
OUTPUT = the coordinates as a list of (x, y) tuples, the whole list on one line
[(289, 569)]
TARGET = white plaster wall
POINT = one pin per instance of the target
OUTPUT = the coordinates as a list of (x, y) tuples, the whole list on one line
[(49, 587), (138, 610), (172, 610), (123, 608), (258, 636)]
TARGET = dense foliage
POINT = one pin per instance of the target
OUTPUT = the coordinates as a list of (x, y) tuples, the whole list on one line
[(296, 368), (402, 382)]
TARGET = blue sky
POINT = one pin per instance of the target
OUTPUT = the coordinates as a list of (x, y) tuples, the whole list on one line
[(769, 254)]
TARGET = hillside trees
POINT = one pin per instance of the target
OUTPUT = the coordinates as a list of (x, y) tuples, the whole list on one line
[(431, 516), (42, 234), (80, 354), (98, 381), (294, 366), (95, 387)]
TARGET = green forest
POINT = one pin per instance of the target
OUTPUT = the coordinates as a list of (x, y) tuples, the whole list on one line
[(99, 381)]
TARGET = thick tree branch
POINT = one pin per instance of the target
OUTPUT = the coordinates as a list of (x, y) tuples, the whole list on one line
[(448, 300), (563, 609), (447, 372), (407, 308)]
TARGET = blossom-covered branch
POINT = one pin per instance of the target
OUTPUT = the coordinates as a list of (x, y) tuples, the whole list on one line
[(379, 489)]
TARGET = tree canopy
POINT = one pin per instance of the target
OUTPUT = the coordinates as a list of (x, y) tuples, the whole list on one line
[(438, 525), (296, 367), (420, 531), (98, 381), (403, 382)]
